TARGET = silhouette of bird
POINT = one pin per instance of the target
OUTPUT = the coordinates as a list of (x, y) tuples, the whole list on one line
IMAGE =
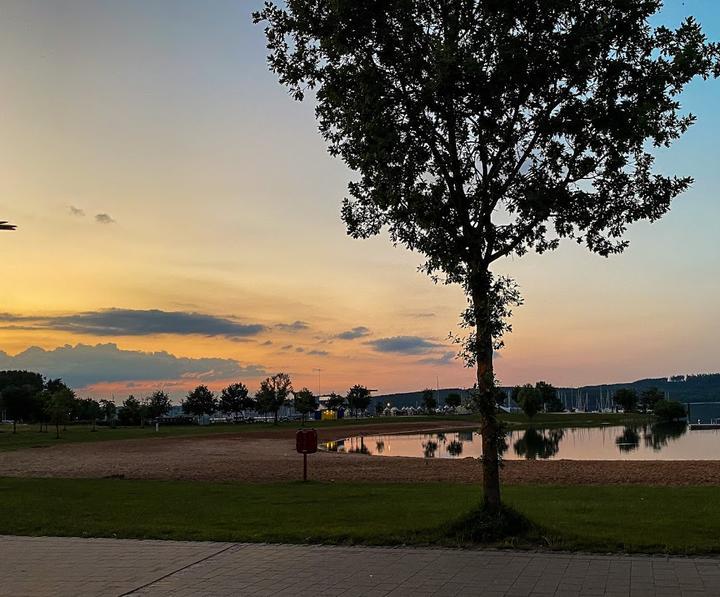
[(5, 226)]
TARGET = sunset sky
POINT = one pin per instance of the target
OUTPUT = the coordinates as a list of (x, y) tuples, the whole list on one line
[(179, 221)]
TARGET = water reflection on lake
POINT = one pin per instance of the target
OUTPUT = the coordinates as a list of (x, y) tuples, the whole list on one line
[(649, 442)]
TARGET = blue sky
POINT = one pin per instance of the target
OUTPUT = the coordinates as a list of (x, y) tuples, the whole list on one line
[(158, 171)]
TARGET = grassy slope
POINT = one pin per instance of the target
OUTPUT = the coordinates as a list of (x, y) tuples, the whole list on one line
[(27, 436), (677, 520)]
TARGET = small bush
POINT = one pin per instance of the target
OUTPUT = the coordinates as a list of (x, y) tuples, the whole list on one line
[(669, 410)]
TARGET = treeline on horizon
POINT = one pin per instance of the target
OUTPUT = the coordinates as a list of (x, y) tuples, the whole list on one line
[(29, 397)]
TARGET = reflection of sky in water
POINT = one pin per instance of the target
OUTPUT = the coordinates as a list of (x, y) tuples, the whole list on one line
[(651, 442)]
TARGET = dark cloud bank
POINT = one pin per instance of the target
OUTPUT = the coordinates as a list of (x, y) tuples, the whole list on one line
[(135, 322), (403, 345), (82, 365)]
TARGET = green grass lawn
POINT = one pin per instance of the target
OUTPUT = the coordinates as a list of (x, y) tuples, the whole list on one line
[(558, 420), (657, 519), (28, 436)]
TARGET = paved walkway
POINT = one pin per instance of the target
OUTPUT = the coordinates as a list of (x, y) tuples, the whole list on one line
[(66, 566)]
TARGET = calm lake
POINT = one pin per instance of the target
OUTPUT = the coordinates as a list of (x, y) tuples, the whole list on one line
[(651, 442)]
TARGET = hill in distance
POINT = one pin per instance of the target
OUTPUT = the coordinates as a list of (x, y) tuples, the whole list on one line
[(701, 387)]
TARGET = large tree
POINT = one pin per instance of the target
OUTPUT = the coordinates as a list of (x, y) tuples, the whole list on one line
[(305, 402), (273, 394), (482, 129), (157, 404), (108, 410), (59, 404), (530, 400), (549, 397), (201, 401), (358, 399), (649, 398), (19, 394), (428, 400), (130, 412), (234, 400), (626, 398)]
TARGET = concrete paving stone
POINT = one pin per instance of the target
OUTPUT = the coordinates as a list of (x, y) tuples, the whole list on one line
[(58, 566)]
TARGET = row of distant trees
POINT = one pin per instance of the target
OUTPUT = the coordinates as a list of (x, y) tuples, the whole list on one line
[(544, 397), (274, 393), (29, 397), (651, 399), (534, 399)]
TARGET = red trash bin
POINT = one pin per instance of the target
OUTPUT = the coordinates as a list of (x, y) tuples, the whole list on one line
[(306, 442)]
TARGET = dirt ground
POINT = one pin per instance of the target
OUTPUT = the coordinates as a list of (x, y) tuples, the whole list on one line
[(268, 456)]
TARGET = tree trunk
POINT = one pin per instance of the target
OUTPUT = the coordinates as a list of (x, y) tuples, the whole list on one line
[(14, 426), (489, 424), (57, 430), (276, 418)]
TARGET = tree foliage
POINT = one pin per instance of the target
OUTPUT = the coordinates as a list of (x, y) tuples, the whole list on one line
[(58, 405), (201, 401), (453, 400), (669, 410), (549, 397), (428, 400), (483, 129), (157, 404), (305, 402), (273, 394), (649, 398), (626, 399), (235, 399), (109, 410), (19, 395), (129, 412), (530, 400), (335, 401), (358, 399)]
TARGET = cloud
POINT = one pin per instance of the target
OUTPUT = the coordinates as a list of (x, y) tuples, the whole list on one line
[(295, 326), (10, 317), (135, 322), (299, 349), (267, 343), (423, 315), (76, 211), (403, 345), (104, 219), (286, 347), (358, 332), (318, 353), (444, 359), (83, 365)]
